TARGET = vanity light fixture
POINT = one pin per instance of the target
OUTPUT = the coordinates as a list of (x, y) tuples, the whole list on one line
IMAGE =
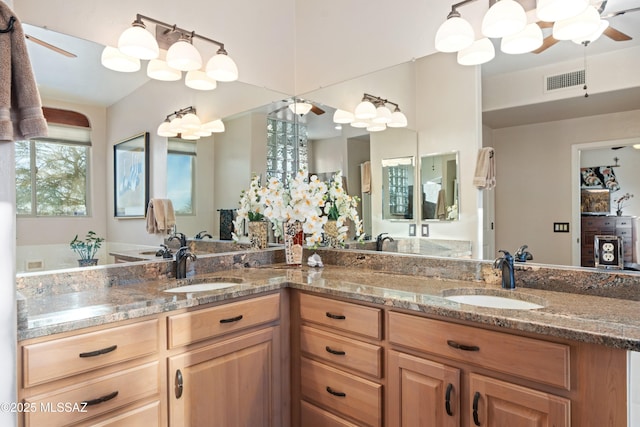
[(507, 20), (373, 114), (187, 125), (138, 43)]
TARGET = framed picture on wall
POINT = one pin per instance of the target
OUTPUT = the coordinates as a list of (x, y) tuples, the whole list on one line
[(131, 177), (595, 201)]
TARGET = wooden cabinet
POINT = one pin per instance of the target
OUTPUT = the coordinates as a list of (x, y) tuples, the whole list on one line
[(93, 378), (448, 374), (622, 226), (340, 363), (233, 377)]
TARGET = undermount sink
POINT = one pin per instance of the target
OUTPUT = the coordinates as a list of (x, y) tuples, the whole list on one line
[(494, 299), (201, 287)]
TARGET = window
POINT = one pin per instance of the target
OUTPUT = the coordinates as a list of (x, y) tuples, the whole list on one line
[(286, 148), (52, 174), (181, 172)]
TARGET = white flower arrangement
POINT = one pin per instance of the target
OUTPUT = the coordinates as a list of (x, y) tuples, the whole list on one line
[(251, 206), (305, 203), (341, 207)]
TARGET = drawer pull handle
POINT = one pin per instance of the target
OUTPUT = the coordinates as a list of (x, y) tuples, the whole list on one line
[(336, 393), (476, 398), (100, 399), (336, 316), (98, 352), (178, 384), (231, 319), (336, 352), (462, 346), (447, 400)]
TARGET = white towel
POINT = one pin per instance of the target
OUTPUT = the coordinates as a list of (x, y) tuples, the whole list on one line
[(485, 175), (160, 216)]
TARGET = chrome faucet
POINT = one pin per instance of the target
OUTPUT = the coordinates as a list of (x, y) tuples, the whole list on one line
[(181, 261), (382, 237), (202, 234), (522, 255), (505, 263)]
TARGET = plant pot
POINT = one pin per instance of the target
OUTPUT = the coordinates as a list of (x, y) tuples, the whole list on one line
[(619, 212), (331, 233), (87, 262), (258, 231), (293, 239)]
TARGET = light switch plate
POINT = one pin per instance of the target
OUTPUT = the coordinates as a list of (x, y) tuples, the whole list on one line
[(560, 227)]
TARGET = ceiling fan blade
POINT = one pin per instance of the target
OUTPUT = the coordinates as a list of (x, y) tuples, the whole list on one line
[(50, 46), (616, 35), (546, 44), (317, 110)]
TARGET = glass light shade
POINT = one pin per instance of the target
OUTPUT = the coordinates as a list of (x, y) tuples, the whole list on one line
[(222, 68), (342, 116), (139, 43), (190, 121), (202, 132), (556, 10), (159, 70), (215, 126), (504, 18), (189, 135), (479, 52), (165, 129), (365, 110), (358, 123), (454, 34), (577, 27), (383, 115), (604, 24), (183, 56), (398, 120), (115, 60), (176, 125), (196, 79), (636, 146), (376, 127), (525, 41), (300, 108)]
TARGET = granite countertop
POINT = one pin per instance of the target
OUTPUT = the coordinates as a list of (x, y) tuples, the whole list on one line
[(608, 321)]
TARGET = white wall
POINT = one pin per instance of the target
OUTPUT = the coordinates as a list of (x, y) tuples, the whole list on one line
[(534, 182), (448, 117)]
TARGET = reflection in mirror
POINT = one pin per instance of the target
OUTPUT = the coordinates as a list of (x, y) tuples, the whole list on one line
[(397, 188), (181, 175), (439, 186)]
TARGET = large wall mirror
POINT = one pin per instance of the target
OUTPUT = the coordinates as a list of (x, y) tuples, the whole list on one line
[(398, 177), (439, 187)]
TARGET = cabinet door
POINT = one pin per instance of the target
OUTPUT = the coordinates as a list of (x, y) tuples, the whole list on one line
[(231, 383), (422, 393), (496, 403)]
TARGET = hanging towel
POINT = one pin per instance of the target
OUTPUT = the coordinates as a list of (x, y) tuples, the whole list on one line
[(365, 177), (441, 206), (485, 175), (160, 216), (21, 115)]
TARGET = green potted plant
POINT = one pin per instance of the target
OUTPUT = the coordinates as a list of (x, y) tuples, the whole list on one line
[(87, 248)]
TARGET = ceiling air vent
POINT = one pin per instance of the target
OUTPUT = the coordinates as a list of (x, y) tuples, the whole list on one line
[(566, 80)]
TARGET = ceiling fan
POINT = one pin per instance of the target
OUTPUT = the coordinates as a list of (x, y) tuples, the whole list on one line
[(293, 102), (610, 32)]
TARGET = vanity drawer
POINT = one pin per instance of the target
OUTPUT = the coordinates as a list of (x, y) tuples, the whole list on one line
[(187, 328), (345, 352), (537, 360), (59, 358), (141, 416), (311, 415), (341, 315), (103, 394), (344, 393)]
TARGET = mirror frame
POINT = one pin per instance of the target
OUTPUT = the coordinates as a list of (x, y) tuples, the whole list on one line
[(137, 144)]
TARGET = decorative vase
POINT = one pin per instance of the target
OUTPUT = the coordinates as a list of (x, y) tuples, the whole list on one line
[(258, 231), (331, 234), (87, 262), (293, 239), (619, 212)]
